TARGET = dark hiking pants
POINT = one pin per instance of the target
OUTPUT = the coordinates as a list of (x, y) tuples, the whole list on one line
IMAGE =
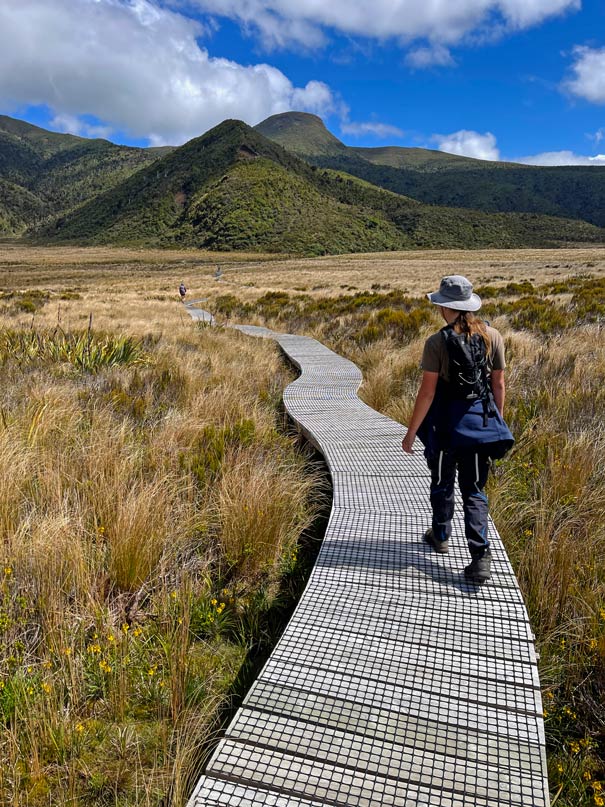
[(473, 469)]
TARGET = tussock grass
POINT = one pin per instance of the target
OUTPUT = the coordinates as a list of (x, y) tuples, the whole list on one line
[(258, 522), (132, 574), (83, 453), (547, 498)]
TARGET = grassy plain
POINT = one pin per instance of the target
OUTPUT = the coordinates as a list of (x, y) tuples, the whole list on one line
[(188, 388), (150, 508)]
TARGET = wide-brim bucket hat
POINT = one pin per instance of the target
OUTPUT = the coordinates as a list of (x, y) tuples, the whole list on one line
[(456, 292)]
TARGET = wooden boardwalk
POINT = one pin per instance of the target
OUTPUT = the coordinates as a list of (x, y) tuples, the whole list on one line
[(396, 682)]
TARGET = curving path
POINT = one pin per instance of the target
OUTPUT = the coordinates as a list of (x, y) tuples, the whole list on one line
[(198, 314), (396, 682)]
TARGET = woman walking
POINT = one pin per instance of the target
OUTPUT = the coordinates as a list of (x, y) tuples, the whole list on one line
[(458, 416)]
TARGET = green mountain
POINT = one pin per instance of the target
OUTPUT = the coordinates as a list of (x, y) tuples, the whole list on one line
[(233, 188), (437, 178), (18, 208), (307, 136), (303, 134), (50, 173)]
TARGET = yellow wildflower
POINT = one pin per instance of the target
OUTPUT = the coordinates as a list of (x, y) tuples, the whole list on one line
[(125, 627), (8, 571), (45, 687), (137, 631), (79, 728), (598, 800)]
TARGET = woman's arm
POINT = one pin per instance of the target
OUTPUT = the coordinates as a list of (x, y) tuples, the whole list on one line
[(424, 399), (498, 389)]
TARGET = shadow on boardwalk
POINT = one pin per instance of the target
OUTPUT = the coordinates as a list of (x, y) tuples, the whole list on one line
[(396, 561)]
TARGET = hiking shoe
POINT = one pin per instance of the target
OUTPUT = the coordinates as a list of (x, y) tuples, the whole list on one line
[(439, 546), (478, 569)]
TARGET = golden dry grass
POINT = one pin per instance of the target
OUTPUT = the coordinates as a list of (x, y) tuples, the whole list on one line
[(131, 577), (547, 498), (158, 272)]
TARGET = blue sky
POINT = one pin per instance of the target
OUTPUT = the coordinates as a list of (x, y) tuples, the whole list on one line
[(495, 79)]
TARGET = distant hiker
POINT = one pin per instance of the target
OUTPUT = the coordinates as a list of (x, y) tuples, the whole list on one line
[(458, 417), (182, 292)]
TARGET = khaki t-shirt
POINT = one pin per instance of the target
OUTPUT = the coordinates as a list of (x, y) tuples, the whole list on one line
[(435, 358)]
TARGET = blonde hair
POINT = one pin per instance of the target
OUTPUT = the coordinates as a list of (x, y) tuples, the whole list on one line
[(467, 323)]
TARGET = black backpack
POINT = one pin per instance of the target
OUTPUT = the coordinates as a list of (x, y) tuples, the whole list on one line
[(463, 415), (467, 366)]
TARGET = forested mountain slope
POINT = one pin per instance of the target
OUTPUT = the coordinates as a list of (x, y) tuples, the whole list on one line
[(437, 178)]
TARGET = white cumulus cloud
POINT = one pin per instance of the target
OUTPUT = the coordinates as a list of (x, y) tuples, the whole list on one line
[(134, 66), (72, 124), (588, 74), (433, 56), (380, 130), (467, 143), (279, 22), (562, 158)]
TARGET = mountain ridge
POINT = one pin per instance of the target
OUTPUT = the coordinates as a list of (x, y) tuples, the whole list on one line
[(235, 188), (439, 178), (61, 171)]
